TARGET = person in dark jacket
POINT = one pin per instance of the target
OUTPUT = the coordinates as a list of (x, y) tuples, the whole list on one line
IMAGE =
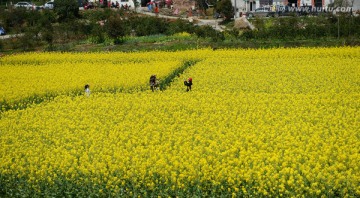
[(188, 84), (153, 82)]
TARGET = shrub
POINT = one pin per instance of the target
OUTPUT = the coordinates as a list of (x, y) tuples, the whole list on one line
[(115, 27), (145, 26), (26, 41), (97, 34), (66, 10), (33, 17), (48, 16), (225, 8), (13, 18), (284, 28), (262, 29), (73, 30), (179, 26), (1, 45), (47, 34), (232, 34), (248, 35), (316, 27), (97, 15), (209, 32)]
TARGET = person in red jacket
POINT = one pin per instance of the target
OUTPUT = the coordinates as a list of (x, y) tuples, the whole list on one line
[(188, 84), (156, 9)]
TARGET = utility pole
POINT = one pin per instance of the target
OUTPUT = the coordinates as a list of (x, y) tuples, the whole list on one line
[(338, 27), (235, 9)]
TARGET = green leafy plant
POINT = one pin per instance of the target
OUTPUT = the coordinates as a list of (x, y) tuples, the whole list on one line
[(66, 9)]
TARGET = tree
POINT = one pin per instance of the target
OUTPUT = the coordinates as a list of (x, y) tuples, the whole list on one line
[(115, 27), (14, 18), (202, 4), (225, 7), (46, 27), (66, 9)]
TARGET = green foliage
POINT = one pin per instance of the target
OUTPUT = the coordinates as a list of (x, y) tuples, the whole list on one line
[(55, 28), (66, 31), (166, 82), (13, 18), (225, 7), (33, 18), (62, 186), (1, 45), (179, 26), (47, 34), (209, 32), (145, 26), (97, 34), (290, 28), (48, 16), (149, 39), (26, 41), (346, 26), (115, 27), (66, 9), (248, 35), (97, 15), (316, 27), (232, 34)]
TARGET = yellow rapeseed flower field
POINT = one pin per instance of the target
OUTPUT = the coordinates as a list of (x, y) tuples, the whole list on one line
[(32, 75), (261, 123)]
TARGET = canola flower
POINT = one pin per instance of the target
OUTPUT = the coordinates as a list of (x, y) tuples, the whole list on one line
[(287, 127), (26, 77)]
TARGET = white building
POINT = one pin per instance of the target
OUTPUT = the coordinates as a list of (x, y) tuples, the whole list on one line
[(245, 5), (130, 3), (251, 5)]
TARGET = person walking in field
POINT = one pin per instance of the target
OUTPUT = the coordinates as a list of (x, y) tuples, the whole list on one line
[(87, 90), (153, 82), (188, 83)]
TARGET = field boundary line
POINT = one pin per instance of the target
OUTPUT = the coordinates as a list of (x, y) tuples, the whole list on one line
[(176, 73)]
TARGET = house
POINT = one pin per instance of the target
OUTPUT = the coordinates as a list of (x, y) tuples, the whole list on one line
[(251, 5), (245, 5), (130, 3)]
